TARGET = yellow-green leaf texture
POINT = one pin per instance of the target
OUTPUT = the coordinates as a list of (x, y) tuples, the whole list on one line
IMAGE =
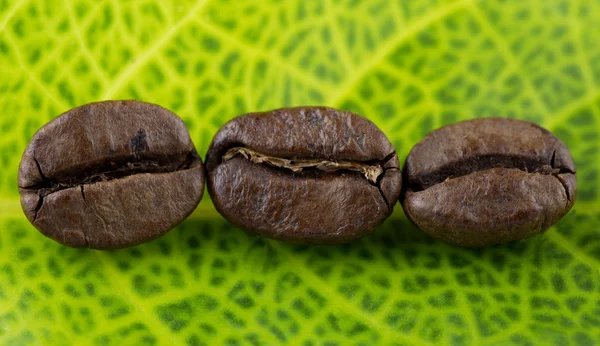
[(410, 66)]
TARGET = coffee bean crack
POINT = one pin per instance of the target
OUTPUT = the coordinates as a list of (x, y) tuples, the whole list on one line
[(372, 170)]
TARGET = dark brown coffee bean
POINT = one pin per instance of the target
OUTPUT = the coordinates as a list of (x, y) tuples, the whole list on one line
[(110, 174), (488, 181), (310, 175)]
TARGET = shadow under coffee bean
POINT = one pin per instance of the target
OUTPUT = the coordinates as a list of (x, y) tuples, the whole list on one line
[(488, 181), (312, 175), (110, 175)]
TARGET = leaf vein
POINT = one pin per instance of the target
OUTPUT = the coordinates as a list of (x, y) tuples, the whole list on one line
[(31, 77), (82, 45), (563, 242), (388, 48), (340, 300), (273, 58), (512, 60), (154, 324), (143, 58), (10, 14), (337, 38), (566, 112)]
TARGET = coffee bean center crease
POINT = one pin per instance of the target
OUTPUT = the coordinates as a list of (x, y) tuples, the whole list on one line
[(485, 162), (109, 171)]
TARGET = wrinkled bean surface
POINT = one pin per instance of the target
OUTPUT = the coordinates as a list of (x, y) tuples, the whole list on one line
[(110, 174), (311, 175), (488, 181)]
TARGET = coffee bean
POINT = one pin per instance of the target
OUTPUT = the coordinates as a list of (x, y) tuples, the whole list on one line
[(110, 174), (488, 181), (310, 175)]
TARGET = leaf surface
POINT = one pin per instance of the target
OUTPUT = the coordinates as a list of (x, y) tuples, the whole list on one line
[(410, 66)]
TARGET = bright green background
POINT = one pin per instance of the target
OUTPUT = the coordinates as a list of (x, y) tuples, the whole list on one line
[(410, 66)]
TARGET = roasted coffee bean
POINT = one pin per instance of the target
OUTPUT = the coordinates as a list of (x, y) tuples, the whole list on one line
[(110, 174), (312, 175), (488, 181)]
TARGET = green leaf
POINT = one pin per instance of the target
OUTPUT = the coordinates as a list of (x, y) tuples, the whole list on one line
[(410, 66)]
